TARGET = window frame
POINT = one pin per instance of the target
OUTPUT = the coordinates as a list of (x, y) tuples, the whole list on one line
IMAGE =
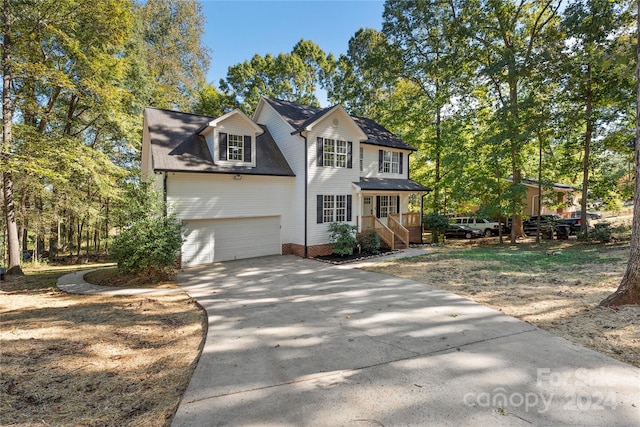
[(334, 153), (235, 148), (388, 206), (390, 162)]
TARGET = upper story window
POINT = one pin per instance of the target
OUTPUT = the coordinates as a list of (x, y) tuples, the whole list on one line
[(334, 153), (390, 162), (234, 148), (361, 159)]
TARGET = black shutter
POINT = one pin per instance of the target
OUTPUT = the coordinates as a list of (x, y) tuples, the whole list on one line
[(398, 204), (349, 154), (320, 209), (222, 149), (380, 160), (320, 151), (400, 165), (349, 197), (377, 206), (247, 148)]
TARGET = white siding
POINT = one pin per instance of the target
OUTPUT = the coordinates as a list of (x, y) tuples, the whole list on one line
[(219, 196), (330, 180), (292, 147), (371, 157)]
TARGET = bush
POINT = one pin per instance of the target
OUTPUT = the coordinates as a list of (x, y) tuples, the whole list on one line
[(436, 223), (602, 232), (369, 242), (342, 238), (150, 245)]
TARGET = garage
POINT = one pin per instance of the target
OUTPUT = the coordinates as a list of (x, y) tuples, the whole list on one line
[(216, 240)]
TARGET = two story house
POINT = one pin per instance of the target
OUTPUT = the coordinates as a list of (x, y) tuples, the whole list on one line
[(246, 187)]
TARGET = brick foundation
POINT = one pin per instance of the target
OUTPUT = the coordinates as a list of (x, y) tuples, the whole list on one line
[(312, 251)]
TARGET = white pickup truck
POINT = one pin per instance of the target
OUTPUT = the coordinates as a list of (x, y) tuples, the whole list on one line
[(487, 227)]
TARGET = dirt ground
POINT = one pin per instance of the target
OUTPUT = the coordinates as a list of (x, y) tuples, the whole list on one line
[(556, 287), (93, 360)]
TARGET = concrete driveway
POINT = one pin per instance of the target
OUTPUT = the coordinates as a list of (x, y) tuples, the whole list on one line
[(296, 342)]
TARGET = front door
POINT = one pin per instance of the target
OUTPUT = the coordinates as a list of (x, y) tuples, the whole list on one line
[(367, 206)]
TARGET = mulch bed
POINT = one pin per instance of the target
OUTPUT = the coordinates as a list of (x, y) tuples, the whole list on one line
[(338, 259)]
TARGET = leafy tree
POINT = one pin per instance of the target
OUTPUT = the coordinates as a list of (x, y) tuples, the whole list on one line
[(437, 224), (506, 39), (424, 36), (629, 290), (173, 50), (291, 76), (597, 73), (211, 102)]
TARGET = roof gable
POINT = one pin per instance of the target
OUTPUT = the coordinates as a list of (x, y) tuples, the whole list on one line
[(302, 116), (232, 114)]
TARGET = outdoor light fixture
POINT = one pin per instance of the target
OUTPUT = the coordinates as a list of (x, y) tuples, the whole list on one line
[(237, 177)]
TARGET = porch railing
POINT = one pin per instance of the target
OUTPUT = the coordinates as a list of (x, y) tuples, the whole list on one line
[(398, 229), (409, 219), (370, 222)]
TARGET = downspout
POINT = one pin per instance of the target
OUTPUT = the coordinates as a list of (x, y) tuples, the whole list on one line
[(306, 192), (164, 193)]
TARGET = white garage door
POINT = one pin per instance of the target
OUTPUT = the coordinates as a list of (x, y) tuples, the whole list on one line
[(215, 240)]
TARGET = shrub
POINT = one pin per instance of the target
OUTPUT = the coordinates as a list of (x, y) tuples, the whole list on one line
[(369, 242), (149, 246), (342, 238), (436, 223), (602, 232)]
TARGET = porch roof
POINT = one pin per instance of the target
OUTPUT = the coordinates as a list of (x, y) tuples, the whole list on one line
[(386, 184)]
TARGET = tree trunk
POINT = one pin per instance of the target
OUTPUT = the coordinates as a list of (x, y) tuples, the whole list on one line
[(587, 150), (629, 290), (516, 217), (13, 244)]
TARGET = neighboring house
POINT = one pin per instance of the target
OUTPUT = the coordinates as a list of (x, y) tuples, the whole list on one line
[(246, 187), (561, 195)]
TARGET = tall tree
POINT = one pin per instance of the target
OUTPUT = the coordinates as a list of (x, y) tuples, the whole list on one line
[(424, 33), (291, 76), (13, 244), (596, 73), (629, 290), (505, 39), (175, 55)]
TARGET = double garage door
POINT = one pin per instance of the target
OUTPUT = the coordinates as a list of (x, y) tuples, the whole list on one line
[(216, 240)]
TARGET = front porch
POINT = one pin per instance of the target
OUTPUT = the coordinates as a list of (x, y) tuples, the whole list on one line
[(400, 230)]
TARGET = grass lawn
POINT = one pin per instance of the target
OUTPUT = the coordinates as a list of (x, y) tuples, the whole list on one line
[(555, 285), (93, 360)]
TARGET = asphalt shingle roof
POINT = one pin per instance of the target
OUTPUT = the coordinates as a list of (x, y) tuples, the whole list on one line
[(177, 147), (299, 116), (386, 184)]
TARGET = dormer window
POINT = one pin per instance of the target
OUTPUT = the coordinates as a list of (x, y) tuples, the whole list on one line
[(235, 148)]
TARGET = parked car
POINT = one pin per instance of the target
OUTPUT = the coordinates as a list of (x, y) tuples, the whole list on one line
[(590, 215), (487, 227), (550, 225), (462, 231)]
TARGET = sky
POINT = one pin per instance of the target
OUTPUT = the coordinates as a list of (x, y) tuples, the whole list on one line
[(237, 30)]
